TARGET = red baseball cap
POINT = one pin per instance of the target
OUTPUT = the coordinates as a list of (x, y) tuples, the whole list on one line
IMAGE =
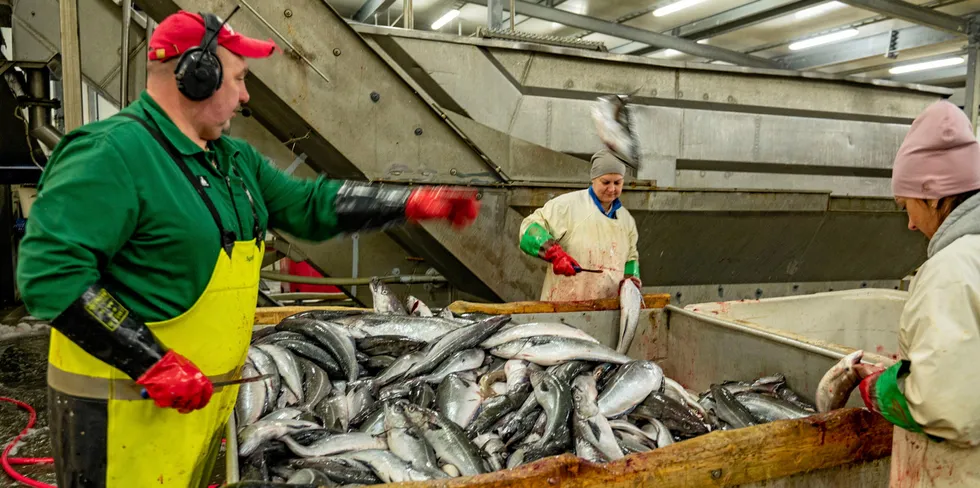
[(184, 30)]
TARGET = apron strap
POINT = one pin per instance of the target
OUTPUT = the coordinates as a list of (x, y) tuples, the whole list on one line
[(226, 238)]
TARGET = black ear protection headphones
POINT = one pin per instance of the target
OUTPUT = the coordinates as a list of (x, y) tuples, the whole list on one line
[(199, 72)]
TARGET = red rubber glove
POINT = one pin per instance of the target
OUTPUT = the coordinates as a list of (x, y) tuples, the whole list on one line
[(457, 205), (561, 262), (174, 382)]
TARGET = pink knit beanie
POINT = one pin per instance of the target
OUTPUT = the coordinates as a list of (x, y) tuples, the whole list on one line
[(940, 156)]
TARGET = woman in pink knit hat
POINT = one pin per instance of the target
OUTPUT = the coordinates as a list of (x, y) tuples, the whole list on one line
[(931, 394)]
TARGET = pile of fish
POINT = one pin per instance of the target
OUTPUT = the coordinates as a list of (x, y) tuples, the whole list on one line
[(364, 398)]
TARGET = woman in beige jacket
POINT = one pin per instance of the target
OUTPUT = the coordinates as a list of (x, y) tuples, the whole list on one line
[(931, 394)]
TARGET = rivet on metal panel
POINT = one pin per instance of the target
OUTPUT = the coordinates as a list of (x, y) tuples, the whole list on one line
[(336, 52), (653, 92), (453, 171), (703, 173), (796, 287), (418, 131), (287, 13), (479, 195), (552, 481), (731, 99), (375, 96), (758, 292), (680, 94), (705, 96), (721, 291), (678, 295), (716, 474), (864, 284), (569, 84)]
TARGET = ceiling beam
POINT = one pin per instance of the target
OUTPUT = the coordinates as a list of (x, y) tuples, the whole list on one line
[(634, 34), (369, 7), (855, 49), (915, 14), (734, 19)]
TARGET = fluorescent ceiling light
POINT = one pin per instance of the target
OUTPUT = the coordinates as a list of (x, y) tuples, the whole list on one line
[(827, 39), (450, 15), (819, 9), (939, 63), (675, 7)]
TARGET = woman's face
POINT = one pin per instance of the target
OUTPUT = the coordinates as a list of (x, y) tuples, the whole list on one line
[(924, 215)]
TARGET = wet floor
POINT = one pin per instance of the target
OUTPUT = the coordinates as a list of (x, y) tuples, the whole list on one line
[(22, 377), (23, 363)]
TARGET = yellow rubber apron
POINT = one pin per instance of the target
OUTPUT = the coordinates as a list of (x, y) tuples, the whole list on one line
[(151, 446)]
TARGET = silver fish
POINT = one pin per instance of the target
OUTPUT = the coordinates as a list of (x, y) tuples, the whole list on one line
[(359, 399), (283, 414), (629, 386), (493, 448), (310, 476), (288, 368), (252, 436), (730, 410), (335, 340), (679, 393), (334, 411), (447, 439), (523, 331), (624, 426), (414, 306), (391, 469), (549, 351), (251, 398), (658, 430), (458, 399), (398, 368), (462, 338), (424, 329), (465, 360), (589, 424), (266, 366), (613, 119), (337, 468), (405, 440), (838, 382), (385, 301), (769, 408), (316, 384), (336, 444), (556, 399), (630, 301), (630, 443)]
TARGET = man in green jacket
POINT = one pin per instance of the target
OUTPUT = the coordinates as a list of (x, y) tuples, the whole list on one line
[(143, 249)]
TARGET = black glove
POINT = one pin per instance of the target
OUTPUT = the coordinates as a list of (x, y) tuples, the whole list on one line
[(103, 327), (363, 206)]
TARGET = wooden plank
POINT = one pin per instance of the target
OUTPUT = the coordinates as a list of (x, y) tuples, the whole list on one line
[(649, 301), (274, 315), (722, 458)]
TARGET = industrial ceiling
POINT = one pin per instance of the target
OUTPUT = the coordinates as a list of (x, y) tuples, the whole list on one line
[(912, 42)]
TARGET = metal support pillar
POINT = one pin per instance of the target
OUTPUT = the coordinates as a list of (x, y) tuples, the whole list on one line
[(513, 13), (972, 100), (71, 65), (127, 17), (495, 14), (409, 13)]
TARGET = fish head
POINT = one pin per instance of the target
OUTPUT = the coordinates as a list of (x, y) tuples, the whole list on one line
[(584, 395)]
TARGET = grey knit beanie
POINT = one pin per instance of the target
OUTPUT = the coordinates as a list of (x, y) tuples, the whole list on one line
[(605, 162)]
